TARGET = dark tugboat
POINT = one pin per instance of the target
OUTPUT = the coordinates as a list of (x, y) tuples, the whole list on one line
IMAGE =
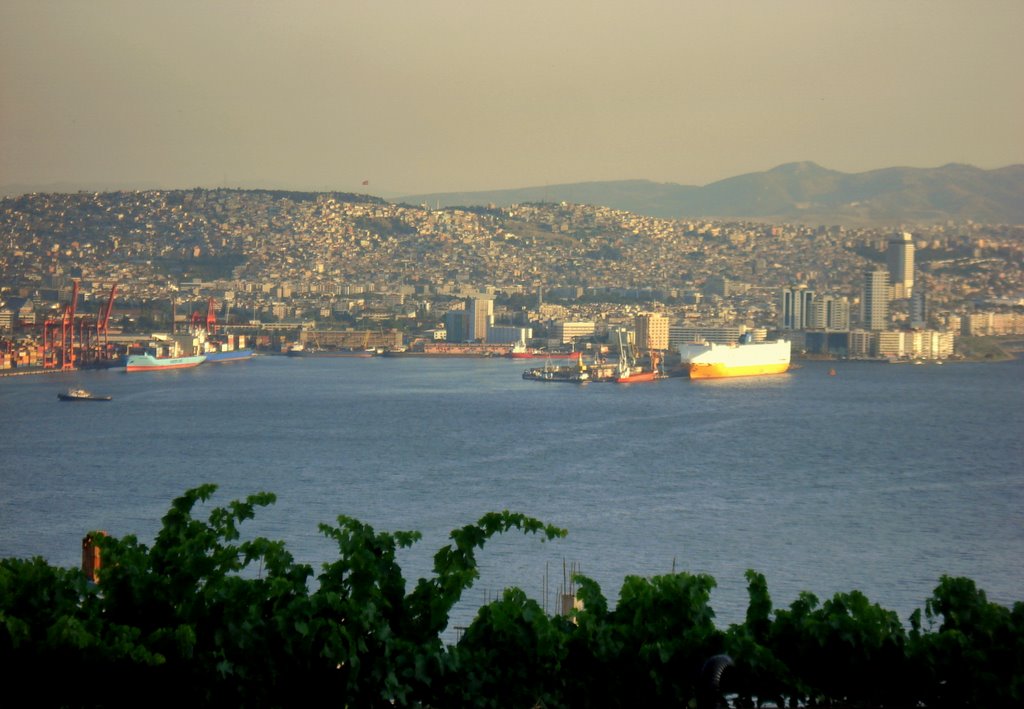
[(81, 395)]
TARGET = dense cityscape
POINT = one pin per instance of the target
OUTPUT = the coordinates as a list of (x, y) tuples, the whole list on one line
[(282, 265)]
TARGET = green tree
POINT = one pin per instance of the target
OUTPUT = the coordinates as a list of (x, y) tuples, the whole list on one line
[(203, 618), (976, 657)]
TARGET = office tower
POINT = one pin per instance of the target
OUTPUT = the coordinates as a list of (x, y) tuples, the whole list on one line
[(651, 331), (874, 312), (795, 308), (479, 316), (899, 258)]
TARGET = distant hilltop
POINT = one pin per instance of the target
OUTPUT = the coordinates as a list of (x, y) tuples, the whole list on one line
[(794, 193), (801, 192)]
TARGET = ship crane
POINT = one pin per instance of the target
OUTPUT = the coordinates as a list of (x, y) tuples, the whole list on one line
[(626, 359)]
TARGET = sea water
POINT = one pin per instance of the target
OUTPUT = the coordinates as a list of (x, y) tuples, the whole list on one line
[(880, 478)]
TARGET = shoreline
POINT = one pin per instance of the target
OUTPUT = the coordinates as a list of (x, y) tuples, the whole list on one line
[(996, 351), (1011, 356)]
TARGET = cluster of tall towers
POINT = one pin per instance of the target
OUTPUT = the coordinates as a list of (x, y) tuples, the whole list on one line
[(895, 283), (801, 309)]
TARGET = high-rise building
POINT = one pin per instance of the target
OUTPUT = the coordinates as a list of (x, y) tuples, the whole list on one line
[(874, 305), (795, 308), (899, 258), (830, 313), (918, 308), (479, 316), (651, 331)]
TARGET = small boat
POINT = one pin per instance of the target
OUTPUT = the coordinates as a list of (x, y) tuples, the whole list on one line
[(575, 373), (81, 395)]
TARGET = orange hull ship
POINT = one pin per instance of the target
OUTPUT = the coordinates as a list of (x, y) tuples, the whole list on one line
[(744, 359)]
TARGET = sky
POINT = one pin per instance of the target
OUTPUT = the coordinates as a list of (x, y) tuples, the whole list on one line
[(417, 96)]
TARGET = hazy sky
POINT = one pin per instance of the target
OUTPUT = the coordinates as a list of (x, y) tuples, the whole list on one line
[(440, 95)]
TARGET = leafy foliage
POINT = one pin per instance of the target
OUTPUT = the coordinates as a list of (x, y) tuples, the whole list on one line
[(205, 618)]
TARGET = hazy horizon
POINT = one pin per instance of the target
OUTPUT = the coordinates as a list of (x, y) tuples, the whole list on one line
[(444, 96)]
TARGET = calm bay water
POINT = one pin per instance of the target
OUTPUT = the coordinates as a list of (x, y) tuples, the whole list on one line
[(881, 478)]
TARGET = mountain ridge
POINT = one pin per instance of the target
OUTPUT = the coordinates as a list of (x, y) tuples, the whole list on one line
[(797, 191), (793, 192)]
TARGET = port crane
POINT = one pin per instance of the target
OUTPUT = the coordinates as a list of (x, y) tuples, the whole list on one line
[(73, 339), (102, 325), (61, 354), (93, 334), (209, 323)]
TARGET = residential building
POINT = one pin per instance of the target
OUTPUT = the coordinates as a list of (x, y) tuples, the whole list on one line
[(863, 343), (830, 313), (567, 331), (509, 333), (651, 331), (874, 313), (920, 344)]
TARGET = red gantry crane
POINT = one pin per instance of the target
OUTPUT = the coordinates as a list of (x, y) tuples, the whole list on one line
[(68, 331), (93, 343), (62, 356), (210, 323), (102, 326), (211, 316)]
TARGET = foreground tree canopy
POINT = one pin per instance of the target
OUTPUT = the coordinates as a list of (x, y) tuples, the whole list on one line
[(180, 623)]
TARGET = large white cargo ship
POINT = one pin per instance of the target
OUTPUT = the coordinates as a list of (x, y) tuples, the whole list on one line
[(742, 359)]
